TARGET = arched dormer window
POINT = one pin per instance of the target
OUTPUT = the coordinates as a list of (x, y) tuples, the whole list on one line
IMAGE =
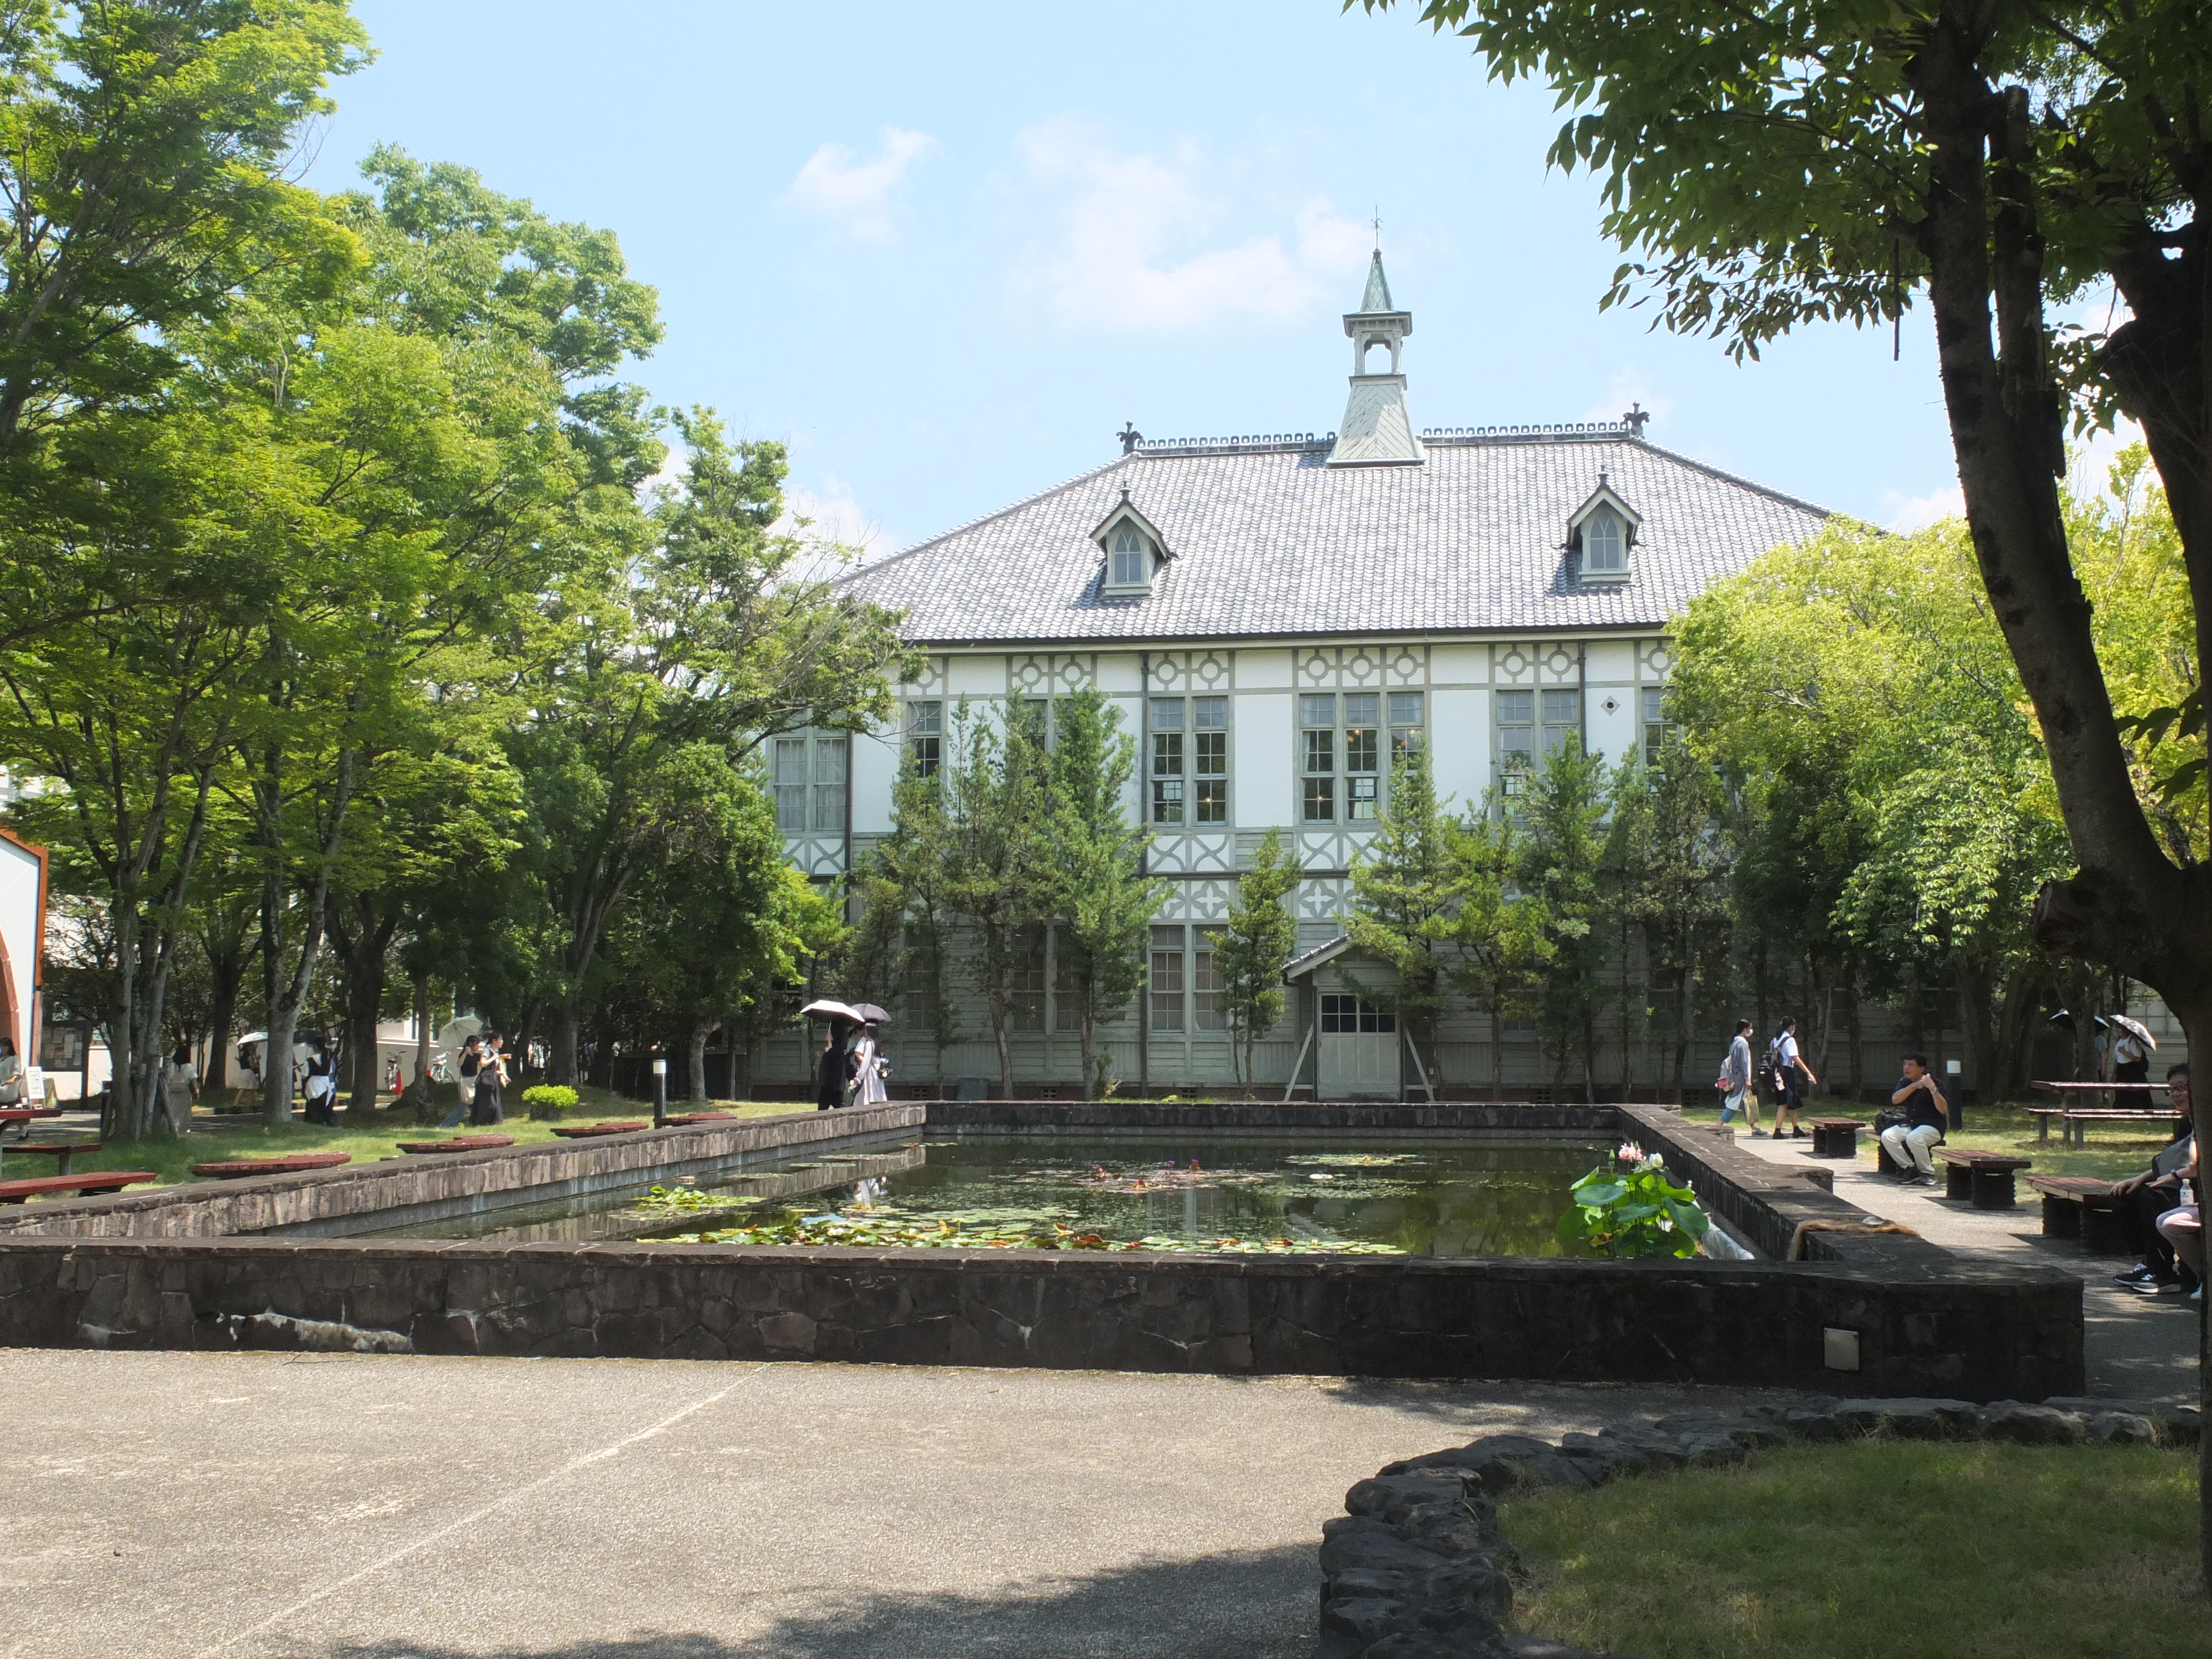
[(1602, 535), (1134, 550), (1129, 557)]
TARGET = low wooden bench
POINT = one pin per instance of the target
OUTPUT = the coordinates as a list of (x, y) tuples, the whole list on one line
[(63, 1151), (457, 1144), (1984, 1178), (584, 1131), (2081, 1207), (1835, 1137), (96, 1180), (236, 1168), (702, 1117)]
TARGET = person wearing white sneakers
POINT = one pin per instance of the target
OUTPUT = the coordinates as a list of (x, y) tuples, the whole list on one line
[(1925, 1110)]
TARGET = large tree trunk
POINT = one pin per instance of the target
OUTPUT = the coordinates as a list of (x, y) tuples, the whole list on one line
[(702, 1029)]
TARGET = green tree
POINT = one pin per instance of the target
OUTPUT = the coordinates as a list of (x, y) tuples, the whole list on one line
[(1258, 941), (905, 880), (998, 868), (1501, 931), (1102, 900), (1401, 903), (1680, 900), (1561, 856)]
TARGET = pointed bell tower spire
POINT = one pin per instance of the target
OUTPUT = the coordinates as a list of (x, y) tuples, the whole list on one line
[(1376, 430)]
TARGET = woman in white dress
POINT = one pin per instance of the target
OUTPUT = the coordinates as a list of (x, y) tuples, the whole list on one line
[(11, 1073), (181, 1087)]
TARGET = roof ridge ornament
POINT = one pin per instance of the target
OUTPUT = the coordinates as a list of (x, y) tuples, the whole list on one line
[(1130, 437), (1376, 430)]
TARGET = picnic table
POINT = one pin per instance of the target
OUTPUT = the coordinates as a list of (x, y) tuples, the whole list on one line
[(22, 1117), (60, 1150), (98, 1180)]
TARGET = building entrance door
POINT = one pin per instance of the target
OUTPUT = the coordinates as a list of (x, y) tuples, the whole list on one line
[(1359, 1050)]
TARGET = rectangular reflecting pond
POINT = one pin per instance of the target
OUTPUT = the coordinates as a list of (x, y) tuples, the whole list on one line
[(1427, 1196)]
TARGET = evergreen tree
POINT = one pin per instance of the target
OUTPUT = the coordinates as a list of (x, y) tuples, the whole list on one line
[(1104, 901), (1501, 931), (1560, 866), (997, 859), (1250, 953), (1401, 903), (1681, 900)]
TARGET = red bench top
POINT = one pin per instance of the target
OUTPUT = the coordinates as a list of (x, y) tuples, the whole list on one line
[(703, 1117), (50, 1147), (457, 1144), (1840, 1122), (99, 1180), (291, 1165), (571, 1132)]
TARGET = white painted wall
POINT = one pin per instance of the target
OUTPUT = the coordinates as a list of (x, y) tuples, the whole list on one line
[(19, 936), (1459, 743), (1260, 784), (874, 775)]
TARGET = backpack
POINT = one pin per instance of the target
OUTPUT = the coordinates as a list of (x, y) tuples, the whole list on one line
[(1773, 1074)]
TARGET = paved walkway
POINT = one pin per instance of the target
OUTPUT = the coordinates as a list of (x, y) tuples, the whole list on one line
[(2138, 1346), (256, 1505)]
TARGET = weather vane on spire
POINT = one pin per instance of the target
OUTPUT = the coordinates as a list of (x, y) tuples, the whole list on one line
[(1378, 228)]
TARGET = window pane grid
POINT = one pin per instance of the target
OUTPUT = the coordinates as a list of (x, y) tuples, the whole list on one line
[(1167, 980)]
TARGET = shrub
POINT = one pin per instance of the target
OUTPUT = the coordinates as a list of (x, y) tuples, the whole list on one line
[(548, 1100)]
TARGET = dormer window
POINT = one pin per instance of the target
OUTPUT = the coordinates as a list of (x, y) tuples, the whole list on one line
[(1604, 549), (1134, 550), (1602, 536), (1131, 559)]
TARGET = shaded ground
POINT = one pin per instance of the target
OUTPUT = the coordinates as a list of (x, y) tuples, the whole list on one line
[(265, 1506)]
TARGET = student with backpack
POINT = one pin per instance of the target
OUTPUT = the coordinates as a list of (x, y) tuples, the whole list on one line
[(1785, 1063)]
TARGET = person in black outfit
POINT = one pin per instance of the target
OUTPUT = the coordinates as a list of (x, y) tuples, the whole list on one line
[(2139, 1200), (491, 1077), (834, 1074), (322, 1090)]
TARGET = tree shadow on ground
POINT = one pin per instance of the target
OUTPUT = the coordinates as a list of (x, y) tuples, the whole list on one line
[(1256, 1604), (1521, 1405)]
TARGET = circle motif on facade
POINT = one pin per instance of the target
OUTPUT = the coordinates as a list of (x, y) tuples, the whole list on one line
[(1659, 660), (1212, 670), (1315, 666), (1360, 669), (1030, 675), (1513, 665), (1407, 667), (1560, 663)]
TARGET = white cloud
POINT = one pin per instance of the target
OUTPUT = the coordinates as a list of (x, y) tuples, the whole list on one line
[(855, 194), (834, 517), (1911, 513), (1628, 387), (1125, 259)]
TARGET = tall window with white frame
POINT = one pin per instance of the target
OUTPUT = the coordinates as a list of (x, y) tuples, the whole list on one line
[(1359, 739), (924, 736), (1655, 724), (1514, 722), (1317, 757), (1605, 549), (1562, 709), (1027, 1002), (1167, 980), (1127, 569), (809, 779), (1190, 769)]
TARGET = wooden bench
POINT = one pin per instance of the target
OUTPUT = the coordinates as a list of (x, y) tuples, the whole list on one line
[(63, 1151), (1984, 1178), (2073, 1121), (2081, 1207), (584, 1131), (237, 1168), (97, 1180), (702, 1117), (1835, 1137), (457, 1144)]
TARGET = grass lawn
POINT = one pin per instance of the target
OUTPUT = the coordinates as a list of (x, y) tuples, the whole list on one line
[(1878, 1550), (2113, 1150), (217, 1140)]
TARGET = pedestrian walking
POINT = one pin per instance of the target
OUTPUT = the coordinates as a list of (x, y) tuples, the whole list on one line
[(1734, 1081), (833, 1075), (868, 1068), (464, 1083), (322, 1087), (181, 1087), (1786, 1064), (490, 1104)]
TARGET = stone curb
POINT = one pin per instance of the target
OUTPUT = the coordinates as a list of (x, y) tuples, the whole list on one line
[(1416, 1568)]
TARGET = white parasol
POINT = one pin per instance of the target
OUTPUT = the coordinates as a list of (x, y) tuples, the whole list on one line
[(2135, 1028), (827, 1009)]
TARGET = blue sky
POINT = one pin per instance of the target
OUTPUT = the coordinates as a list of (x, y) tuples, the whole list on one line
[(945, 253)]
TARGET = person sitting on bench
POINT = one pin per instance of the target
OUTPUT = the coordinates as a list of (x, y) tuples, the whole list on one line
[(1921, 1099), (2141, 1200), (2183, 1227)]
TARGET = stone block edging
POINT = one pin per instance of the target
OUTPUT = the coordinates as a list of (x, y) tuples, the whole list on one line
[(1416, 1567)]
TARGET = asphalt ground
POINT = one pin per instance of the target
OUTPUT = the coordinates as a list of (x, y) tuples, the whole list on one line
[(256, 1505)]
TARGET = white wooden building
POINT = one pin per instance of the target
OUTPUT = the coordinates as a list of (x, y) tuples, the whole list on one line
[(1275, 615)]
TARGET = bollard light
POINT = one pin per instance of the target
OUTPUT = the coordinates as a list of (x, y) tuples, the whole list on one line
[(660, 1091)]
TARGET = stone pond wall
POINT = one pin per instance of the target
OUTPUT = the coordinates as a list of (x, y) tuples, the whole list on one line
[(141, 1273)]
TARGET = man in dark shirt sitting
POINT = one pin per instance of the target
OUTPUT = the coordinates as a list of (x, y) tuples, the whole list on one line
[(2139, 1200), (1922, 1100)]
